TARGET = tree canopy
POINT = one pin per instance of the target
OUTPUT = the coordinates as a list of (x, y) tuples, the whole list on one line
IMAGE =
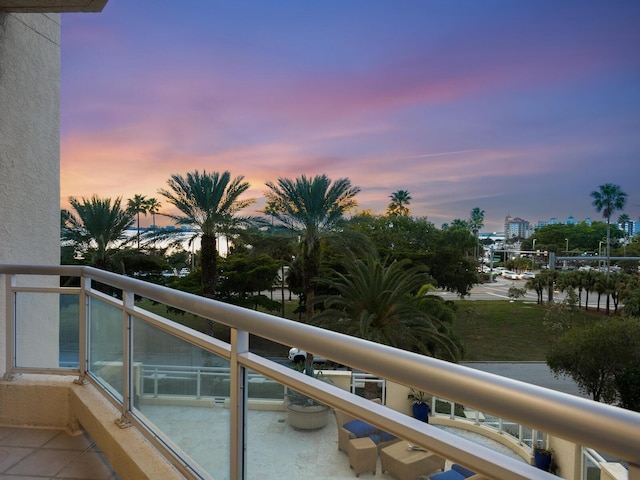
[(384, 302), (211, 202), (593, 356), (97, 227), (312, 207)]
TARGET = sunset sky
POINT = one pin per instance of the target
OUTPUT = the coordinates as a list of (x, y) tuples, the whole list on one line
[(516, 107)]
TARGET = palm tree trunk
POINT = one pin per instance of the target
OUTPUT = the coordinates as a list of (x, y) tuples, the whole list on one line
[(608, 247), (209, 264), (311, 269), (586, 300)]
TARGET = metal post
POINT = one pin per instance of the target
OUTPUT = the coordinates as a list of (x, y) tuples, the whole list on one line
[(127, 347), (9, 283), (238, 406), (491, 265), (83, 330)]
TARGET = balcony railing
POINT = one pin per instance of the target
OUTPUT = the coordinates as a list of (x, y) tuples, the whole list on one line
[(117, 342)]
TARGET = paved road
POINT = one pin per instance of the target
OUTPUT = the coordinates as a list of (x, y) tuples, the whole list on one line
[(536, 373), (498, 290)]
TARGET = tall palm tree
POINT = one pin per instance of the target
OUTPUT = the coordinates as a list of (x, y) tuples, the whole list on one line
[(312, 207), (153, 207), (98, 225), (399, 203), (385, 303), (137, 205), (624, 220), (476, 222), (608, 199), (207, 201)]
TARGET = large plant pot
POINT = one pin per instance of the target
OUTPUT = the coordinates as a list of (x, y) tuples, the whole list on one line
[(421, 411), (307, 417), (542, 460)]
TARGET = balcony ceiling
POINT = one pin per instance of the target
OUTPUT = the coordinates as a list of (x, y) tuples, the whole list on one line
[(52, 6)]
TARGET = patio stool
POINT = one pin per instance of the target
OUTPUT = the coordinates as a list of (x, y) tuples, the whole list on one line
[(363, 455)]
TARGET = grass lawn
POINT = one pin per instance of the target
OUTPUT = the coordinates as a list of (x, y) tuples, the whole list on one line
[(498, 330), (490, 330)]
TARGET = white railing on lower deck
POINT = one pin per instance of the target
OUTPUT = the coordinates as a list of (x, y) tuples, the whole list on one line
[(603, 427)]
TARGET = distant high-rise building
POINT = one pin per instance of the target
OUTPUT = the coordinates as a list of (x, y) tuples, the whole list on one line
[(569, 221), (515, 227)]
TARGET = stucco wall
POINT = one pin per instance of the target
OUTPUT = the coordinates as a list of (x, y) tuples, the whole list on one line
[(29, 144)]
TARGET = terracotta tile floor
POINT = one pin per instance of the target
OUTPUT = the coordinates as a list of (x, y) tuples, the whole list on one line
[(36, 453)]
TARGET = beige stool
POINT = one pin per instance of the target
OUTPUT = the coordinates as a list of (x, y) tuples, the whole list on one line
[(363, 455)]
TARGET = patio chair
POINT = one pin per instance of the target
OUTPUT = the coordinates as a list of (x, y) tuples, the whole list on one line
[(457, 472), (350, 427)]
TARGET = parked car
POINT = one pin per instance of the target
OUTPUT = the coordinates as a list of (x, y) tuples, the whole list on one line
[(528, 275)]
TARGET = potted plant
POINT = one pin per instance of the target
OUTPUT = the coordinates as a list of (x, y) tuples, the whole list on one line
[(304, 412), (542, 457), (419, 404)]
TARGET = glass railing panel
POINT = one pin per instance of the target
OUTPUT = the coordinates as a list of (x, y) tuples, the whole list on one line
[(263, 389), (591, 469), (303, 432), (181, 391), (69, 330), (38, 319), (105, 345)]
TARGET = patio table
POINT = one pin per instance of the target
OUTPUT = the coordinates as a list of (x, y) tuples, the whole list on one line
[(407, 463)]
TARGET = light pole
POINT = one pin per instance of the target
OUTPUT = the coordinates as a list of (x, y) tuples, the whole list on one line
[(491, 264), (566, 248), (533, 255), (600, 254)]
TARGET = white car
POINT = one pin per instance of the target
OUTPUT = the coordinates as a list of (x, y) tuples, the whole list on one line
[(297, 355), (510, 275), (528, 275)]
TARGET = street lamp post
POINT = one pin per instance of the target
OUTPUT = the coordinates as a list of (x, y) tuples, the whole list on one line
[(491, 264), (566, 248), (533, 255), (600, 254)]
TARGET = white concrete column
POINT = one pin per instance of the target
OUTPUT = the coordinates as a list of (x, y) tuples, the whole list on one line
[(29, 148)]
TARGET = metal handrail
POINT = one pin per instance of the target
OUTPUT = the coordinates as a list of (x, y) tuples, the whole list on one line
[(603, 427)]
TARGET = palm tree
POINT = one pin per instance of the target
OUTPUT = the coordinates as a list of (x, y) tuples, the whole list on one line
[(312, 207), (98, 225), (137, 205), (386, 304), (608, 199), (624, 220), (153, 207), (537, 283), (589, 280), (209, 202), (476, 222), (399, 202)]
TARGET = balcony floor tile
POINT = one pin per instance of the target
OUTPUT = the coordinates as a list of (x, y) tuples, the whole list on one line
[(35, 453)]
